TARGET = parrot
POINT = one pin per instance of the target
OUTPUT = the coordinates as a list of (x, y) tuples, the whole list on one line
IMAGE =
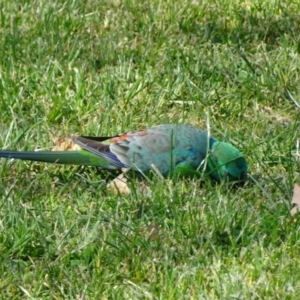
[(173, 149)]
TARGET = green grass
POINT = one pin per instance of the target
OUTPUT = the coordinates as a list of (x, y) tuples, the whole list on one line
[(102, 67)]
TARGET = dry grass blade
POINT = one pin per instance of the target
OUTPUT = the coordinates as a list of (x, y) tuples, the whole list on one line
[(64, 144), (119, 185), (296, 199)]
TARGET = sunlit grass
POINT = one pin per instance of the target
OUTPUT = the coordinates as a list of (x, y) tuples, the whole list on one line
[(104, 67)]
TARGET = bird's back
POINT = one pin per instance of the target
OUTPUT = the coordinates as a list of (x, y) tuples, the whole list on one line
[(165, 146)]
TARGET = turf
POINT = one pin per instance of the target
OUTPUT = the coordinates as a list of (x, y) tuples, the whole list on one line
[(102, 67)]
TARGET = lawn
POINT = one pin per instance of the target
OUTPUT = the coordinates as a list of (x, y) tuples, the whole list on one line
[(105, 67)]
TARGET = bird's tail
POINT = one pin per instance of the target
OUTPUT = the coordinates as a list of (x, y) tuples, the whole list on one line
[(78, 157)]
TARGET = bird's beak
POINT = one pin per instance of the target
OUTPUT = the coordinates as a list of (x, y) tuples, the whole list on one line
[(242, 179)]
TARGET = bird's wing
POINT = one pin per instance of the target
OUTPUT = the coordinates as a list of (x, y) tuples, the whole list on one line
[(164, 146)]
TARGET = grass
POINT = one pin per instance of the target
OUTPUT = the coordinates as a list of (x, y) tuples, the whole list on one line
[(102, 67)]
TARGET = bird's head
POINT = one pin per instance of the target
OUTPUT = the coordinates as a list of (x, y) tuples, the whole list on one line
[(226, 162)]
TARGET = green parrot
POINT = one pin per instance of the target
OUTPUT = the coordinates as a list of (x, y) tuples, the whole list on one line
[(171, 149)]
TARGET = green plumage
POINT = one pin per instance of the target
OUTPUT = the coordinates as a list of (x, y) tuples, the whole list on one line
[(172, 149), (77, 157)]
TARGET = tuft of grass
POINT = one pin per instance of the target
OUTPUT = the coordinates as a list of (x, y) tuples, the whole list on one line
[(103, 67)]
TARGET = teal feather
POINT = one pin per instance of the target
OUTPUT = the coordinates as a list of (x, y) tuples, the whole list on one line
[(173, 149)]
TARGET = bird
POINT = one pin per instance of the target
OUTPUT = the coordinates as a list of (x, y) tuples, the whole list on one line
[(172, 149)]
